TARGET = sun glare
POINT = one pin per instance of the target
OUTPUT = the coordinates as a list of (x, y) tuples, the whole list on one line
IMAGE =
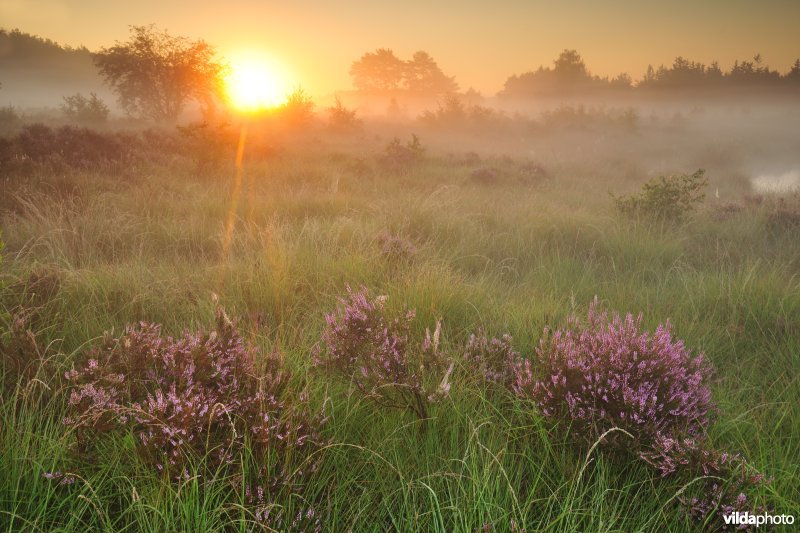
[(254, 84)]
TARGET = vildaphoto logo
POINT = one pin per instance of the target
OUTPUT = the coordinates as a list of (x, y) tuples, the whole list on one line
[(758, 520)]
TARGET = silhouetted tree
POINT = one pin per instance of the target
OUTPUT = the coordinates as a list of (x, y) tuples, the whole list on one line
[(568, 76), (382, 71), (155, 74), (379, 71), (423, 75), (570, 67), (754, 71), (794, 74)]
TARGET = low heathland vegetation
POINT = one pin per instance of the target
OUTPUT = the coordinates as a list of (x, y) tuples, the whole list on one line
[(364, 326)]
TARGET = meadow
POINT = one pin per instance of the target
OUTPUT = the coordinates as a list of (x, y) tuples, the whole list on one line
[(504, 232)]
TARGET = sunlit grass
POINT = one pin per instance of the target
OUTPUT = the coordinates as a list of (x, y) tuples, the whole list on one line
[(510, 259)]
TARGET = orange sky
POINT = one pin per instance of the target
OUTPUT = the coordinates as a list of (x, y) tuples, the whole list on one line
[(481, 43)]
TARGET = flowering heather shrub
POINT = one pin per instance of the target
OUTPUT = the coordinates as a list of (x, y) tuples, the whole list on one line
[(193, 397), (729, 476), (609, 373), (493, 359), (364, 344)]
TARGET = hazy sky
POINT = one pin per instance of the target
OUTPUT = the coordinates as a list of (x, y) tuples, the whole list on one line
[(479, 42)]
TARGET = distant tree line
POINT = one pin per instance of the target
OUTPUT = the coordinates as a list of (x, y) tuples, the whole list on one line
[(569, 76), (155, 75), (32, 68)]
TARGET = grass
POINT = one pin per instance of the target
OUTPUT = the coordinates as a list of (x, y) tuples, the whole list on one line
[(510, 257)]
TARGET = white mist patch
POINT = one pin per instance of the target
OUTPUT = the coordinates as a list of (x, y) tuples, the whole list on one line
[(777, 183)]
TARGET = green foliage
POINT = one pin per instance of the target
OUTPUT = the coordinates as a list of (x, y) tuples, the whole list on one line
[(665, 199), (81, 109)]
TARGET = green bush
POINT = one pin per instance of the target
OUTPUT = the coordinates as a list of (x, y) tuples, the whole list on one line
[(665, 199)]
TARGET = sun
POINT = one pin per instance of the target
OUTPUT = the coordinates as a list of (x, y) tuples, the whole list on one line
[(255, 84)]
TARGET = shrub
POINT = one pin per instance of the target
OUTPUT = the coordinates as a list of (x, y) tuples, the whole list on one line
[(492, 359), (80, 148), (366, 345), (609, 373), (194, 397), (298, 110), (342, 119), (567, 117), (9, 116), (210, 145), (724, 478), (532, 170), (666, 199), (401, 157), (485, 175), (783, 215), (79, 108)]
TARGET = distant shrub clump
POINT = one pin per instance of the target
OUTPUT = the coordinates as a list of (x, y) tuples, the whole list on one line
[(526, 173), (82, 109), (341, 119), (666, 199), (783, 216), (365, 344), (403, 157), (8, 117), (194, 400), (608, 373), (68, 146)]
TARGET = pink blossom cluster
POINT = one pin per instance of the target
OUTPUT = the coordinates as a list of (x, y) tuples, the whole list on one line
[(493, 359), (364, 344), (724, 478), (610, 373), (195, 397)]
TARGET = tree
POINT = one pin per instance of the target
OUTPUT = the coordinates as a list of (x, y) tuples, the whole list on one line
[(424, 76), (569, 67), (794, 74), (155, 74), (379, 71)]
